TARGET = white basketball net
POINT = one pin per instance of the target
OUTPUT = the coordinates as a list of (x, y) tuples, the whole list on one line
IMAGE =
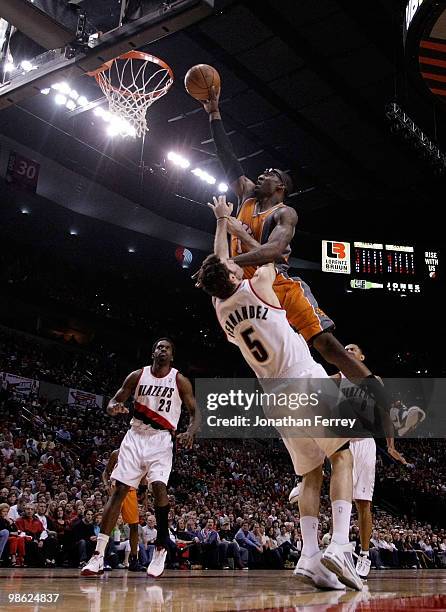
[(131, 85)]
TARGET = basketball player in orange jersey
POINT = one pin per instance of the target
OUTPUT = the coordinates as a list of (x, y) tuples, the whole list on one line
[(159, 390), (274, 351), (262, 234), (129, 510)]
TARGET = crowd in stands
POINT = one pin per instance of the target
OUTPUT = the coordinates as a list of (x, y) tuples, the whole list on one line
[(229, 500), (24, 355)]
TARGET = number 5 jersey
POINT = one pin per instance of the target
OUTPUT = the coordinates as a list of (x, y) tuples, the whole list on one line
[(262, 332)]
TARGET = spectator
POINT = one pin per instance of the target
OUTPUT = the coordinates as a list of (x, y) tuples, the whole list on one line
[(30, 525), (247, 539), (209, 545), (83, 538)]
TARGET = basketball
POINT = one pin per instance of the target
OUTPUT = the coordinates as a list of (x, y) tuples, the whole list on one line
[(199, 79)]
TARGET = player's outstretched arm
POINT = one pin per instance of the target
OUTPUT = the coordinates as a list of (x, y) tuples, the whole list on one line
[(280, 238), (222, 211), (242, 186), (116, 404), (188, 398)]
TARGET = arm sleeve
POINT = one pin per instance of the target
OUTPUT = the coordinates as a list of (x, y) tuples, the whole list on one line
[(231, 166)]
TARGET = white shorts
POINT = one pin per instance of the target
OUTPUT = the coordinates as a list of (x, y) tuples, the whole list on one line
[(144, 452), (308, 453), (364, 464)]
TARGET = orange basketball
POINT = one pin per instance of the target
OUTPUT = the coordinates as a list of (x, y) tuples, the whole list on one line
[(199, 79)]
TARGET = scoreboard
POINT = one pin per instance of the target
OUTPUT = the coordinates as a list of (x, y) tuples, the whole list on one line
[(393, 268)]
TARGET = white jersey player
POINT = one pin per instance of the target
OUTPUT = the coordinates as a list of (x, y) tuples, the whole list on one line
[(146, 450), (251, 316)]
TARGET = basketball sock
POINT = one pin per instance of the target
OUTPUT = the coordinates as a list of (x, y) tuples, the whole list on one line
[(341, 511), (308, 526), (364, 553), (101, 543), (162, 525)]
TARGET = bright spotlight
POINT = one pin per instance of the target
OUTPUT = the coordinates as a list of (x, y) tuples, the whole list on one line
[(131, 250), (99, 111), (73, 232), (73, 94), (178, 160), (60, 99), (71, 105), (24, 211), (45, 91), (26, 65), (82, 101), (9, 67), (113, 130), (64, 88), (222, 187)]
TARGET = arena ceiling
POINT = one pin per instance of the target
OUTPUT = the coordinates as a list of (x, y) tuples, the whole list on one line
[(304, 88)]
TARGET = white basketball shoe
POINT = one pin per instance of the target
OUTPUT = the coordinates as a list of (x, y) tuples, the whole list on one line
[(338, 558), (311, 571)]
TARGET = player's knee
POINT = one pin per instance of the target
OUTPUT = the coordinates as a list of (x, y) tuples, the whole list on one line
[(342, 459), (120, 490), (313, 478), (159, 490)]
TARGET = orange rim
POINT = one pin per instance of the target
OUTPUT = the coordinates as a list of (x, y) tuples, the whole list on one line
[(139, 55)]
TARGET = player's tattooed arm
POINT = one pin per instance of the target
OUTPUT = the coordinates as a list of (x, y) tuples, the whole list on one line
[(235, 228), (187, 396), (116, 404), (278, 242)]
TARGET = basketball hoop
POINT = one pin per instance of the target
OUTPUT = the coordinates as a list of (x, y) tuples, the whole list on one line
[(131, 83)]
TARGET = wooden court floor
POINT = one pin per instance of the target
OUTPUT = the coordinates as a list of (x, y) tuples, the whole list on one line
[(212, 591)]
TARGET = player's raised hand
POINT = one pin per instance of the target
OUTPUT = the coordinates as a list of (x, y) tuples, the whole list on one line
[(220, 207), (117, 408), (211, 105)]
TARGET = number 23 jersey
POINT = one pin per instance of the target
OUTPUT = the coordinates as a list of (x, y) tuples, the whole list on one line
[(157, 400), (262, 332)]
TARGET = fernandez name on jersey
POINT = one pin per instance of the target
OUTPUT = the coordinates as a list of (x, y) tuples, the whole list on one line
[(244, 313)]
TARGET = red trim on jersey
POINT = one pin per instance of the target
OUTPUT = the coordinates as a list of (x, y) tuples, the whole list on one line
[(263, 301), (154, 416), (160, 377)]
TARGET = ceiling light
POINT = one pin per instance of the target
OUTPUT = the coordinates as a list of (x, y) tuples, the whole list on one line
[(71, 105), (82, 101), (25, 211), (60, 99), (131, 250), (26, 65), (113, 129), (178, 160), (222, 187), (73, 232), (45, 91), (73, 94), (64, 88)]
